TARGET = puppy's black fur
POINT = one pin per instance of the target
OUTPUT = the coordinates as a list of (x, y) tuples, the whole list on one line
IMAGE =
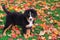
[(16, 18)]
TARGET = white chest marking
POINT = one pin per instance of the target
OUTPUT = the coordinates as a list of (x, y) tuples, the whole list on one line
[(30, 24)]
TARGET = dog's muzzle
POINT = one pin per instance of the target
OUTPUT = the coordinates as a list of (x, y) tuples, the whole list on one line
[(31, 19)]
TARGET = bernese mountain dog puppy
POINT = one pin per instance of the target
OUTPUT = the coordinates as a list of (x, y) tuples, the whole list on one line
[(25, 20)]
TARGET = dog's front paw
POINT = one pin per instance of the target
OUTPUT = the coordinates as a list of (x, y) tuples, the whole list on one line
[(4, 34), (27, 26), (25, 35)]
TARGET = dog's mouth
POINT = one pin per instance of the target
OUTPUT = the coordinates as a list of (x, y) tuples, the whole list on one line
[(31, 19)]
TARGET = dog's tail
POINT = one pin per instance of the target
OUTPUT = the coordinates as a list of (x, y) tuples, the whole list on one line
[(3, 7)]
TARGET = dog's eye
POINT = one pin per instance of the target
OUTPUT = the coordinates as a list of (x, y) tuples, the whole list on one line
[(28, 14), (32, 14)]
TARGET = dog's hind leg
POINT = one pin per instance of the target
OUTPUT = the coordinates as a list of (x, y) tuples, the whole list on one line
[(5, 29)]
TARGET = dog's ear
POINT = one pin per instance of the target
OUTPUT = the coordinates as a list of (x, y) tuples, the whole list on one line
[(34, 12), (26, 12)]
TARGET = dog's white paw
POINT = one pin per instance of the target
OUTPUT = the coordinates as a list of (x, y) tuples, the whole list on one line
[(25, 35), (27, 26)]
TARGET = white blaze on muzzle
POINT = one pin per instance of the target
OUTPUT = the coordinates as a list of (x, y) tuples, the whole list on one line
[(30, 20)]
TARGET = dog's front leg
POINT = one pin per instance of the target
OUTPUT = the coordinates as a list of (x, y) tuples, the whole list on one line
[(28, 32), (27, 35)]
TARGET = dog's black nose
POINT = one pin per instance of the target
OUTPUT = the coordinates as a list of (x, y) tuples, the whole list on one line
[(30, 19)]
